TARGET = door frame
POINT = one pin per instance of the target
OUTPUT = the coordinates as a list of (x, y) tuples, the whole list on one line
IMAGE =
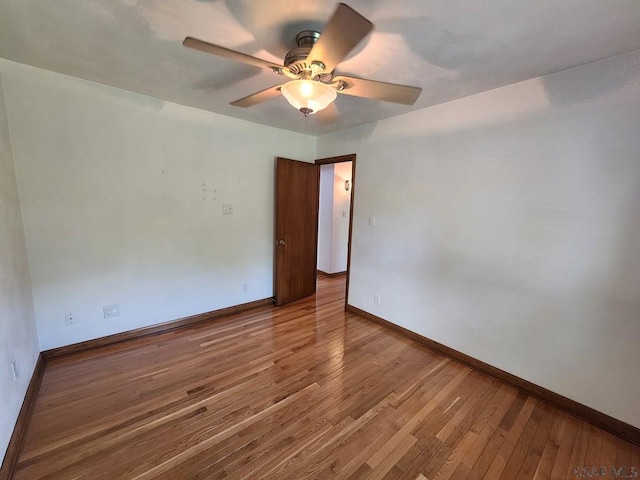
[(351, 157)]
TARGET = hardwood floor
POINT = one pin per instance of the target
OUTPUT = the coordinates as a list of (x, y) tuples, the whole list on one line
[(302, 391)]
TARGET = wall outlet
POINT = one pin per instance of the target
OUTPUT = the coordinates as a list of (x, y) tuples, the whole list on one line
[(111, 311), (376, 299), (70, 319), (14, 369)]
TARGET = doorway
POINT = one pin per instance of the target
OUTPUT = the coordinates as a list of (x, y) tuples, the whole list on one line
[(296, 224), (335, 216)]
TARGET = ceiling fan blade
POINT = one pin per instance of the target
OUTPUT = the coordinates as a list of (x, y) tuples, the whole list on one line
[(388, 92), (227, 53), (258, 97), (346, 29)]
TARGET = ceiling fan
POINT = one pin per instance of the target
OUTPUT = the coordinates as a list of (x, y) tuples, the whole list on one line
[(310, 67)]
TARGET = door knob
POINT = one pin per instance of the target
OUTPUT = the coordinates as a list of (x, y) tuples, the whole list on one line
[(280, 243)]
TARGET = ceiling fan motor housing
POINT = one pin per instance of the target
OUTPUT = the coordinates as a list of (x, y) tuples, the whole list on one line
[(295, 59)]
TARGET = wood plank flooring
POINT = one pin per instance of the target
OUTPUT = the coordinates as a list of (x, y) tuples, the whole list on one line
[(302, 391)]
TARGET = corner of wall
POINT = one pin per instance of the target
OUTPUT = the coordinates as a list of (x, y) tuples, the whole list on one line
[(19, 348)]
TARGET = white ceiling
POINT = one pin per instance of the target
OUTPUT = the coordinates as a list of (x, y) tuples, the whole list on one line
[(450, 48)]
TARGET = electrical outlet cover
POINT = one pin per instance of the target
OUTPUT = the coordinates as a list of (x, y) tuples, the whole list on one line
[(111, 311)]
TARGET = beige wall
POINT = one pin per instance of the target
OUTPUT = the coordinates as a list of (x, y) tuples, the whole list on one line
[(18, 340), (122, 198), (508, 228)]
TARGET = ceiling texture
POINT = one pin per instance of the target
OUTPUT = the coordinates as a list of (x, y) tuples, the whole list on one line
[(450, 48)]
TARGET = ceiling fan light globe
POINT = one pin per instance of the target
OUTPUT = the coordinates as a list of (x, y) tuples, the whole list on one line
[(308, 95)]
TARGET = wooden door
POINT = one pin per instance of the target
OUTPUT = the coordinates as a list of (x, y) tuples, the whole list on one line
[(296, 229)]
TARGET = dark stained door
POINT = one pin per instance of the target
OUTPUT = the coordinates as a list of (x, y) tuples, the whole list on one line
[(296, 232)]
